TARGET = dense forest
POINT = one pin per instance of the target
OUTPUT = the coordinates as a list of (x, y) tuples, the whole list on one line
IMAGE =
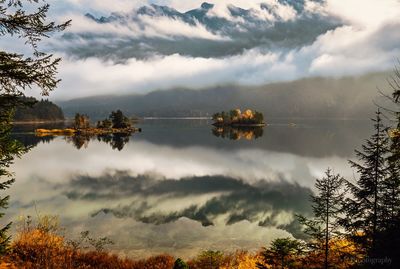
[(34, 110)]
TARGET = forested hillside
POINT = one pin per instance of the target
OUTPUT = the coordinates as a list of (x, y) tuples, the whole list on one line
[(42, 110), (348, 97)]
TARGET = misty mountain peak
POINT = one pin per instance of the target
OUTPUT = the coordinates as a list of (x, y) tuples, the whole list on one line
[(157, 10), (263, 26), (207, 6), (90, 16)]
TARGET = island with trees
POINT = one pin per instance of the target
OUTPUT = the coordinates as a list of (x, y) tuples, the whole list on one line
[(236, 118), (116, 123)]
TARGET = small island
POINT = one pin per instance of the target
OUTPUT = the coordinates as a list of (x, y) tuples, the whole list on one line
[(235, 118), (117, 123)]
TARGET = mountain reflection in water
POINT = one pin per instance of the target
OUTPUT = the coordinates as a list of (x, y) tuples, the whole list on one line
[(177, 188)]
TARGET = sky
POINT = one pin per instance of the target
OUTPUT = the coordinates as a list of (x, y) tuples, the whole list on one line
[(136, 50)]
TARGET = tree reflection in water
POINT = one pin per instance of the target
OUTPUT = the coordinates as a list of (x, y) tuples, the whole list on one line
[(236, 133), (116, 141)]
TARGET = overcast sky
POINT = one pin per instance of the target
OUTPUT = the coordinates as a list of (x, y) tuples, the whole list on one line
[(139, 52)]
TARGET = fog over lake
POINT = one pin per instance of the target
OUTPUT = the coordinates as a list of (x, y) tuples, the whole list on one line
[(176, 187)]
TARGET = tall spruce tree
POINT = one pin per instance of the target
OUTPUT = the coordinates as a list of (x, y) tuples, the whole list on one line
[(365, 211), (17, 73), (390, 237), (394, 148), (327, 206), (391, 185)]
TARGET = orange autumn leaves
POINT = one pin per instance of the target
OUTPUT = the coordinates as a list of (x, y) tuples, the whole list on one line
[(43, 246)]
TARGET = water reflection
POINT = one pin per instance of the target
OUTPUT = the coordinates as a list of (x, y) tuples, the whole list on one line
[(116, 141), (228, 199), (237, 133), (182, 187)]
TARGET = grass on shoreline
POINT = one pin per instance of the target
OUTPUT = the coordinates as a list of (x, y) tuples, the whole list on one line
[(43, 245)]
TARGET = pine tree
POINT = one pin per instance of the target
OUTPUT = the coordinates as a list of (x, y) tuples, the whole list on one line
[(391, 185), (390, 238), (17, 73), (9, 149), (180, 264), (394, 83), (119, 120), (282, 253), (327, 209), (364, 210)]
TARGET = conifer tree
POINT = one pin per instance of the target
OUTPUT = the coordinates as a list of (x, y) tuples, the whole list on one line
[(9, 149), (17, 73), (180, 264), (391, 185), (390, 237), (282, 253), (364, 209), (394, 83), (327, 209), (119, 120)]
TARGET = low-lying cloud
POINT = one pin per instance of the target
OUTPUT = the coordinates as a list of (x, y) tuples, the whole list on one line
[(162, 48)]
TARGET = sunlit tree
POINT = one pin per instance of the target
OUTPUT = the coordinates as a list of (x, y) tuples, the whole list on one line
[(81, 121)]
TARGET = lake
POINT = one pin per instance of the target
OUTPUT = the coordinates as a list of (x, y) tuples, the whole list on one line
[(181, 186)]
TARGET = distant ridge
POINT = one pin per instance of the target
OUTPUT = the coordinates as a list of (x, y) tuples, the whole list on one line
[(348, 97)]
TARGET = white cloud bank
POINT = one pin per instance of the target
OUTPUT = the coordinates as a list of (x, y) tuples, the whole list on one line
[(370, 41), (161, 27)]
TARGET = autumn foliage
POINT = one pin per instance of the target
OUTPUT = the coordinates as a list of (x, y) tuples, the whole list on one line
[(43, 246)]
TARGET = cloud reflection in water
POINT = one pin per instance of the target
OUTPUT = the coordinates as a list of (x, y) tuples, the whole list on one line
[(178, 188)]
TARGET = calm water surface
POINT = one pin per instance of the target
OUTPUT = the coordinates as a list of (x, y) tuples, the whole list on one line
[(179, 186)]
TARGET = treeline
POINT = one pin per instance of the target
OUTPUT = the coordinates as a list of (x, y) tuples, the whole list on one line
[(305, 98), (356, 222), (34, 110)]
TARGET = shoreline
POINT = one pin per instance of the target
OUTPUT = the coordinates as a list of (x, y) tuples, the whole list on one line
[(38, 122), (239, 124), (85, 132)]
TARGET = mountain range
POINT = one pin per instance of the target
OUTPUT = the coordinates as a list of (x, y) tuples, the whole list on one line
[(202, 32), (342, 98)]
